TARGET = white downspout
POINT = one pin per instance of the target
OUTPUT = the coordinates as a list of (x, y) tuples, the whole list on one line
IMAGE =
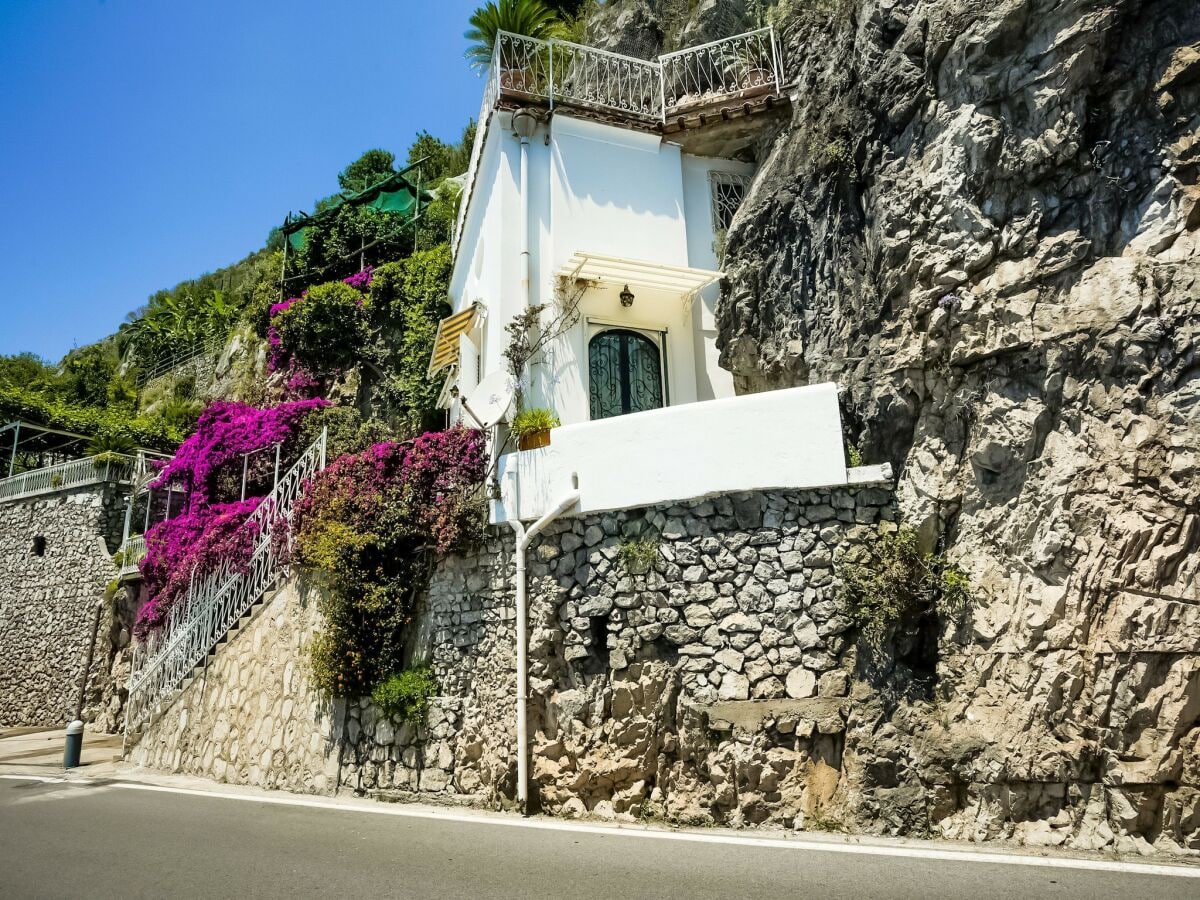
[(524, 124), (525, 537)]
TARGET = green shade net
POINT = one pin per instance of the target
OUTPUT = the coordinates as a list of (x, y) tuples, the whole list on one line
[(394, 194)]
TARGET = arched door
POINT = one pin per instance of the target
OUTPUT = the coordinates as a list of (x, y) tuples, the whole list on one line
[(625, 371)]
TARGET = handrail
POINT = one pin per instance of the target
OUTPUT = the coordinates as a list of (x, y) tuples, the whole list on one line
[(76, 473), (214, 603), (648, 91)]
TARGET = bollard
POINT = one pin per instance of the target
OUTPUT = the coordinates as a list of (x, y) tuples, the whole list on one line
[(74, 748)]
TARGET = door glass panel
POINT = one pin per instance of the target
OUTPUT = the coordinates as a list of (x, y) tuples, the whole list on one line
[(625, 371)]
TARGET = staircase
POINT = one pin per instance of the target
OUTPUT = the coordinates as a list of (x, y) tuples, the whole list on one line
[(216, 606)]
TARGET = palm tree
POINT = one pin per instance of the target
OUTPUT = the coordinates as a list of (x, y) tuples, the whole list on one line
[(531, 18)]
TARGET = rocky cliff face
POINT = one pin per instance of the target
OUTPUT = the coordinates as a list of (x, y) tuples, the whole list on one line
[(985, 226)]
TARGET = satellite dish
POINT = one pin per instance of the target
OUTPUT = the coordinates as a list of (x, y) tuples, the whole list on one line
[(489, 401)]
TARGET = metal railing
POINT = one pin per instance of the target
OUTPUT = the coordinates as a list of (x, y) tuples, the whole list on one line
[(70, 475), (645, 91), (132, 551), (188, 357), (215, 602), (735, 68)]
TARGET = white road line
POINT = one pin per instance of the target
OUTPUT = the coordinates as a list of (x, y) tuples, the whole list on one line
[(388, 809)]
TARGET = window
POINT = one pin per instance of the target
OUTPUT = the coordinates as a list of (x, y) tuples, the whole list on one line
[(39, 546), (728, 191), (625, 372)]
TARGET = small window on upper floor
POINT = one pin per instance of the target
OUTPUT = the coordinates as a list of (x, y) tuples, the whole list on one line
[(728, 191), (39, 546)]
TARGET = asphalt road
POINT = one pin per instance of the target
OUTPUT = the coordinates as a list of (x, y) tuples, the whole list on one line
[(101, 840)]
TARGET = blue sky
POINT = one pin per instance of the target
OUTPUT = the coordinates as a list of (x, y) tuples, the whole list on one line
[(143, 142)]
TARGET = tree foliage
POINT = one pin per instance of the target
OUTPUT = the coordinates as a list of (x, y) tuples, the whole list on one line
[(532, 18), (370, 168)]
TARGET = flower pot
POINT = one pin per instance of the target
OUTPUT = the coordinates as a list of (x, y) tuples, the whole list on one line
[(534, 439), (517, 81)]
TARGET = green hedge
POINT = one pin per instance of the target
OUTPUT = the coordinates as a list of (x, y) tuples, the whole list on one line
[(29, 406)]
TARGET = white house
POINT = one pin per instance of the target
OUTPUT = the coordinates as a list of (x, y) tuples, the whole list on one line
[(599, 192)]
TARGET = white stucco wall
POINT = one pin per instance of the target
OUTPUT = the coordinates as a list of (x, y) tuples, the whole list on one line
[(601, 189), (778, 439), (711, 380)]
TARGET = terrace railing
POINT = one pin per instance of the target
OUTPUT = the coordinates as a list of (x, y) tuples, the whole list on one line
[(133, 551), (644, 91), (215, 602), (71, 475), (739, 67)]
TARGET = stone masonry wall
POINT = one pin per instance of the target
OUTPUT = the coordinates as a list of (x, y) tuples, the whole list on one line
[(251, 717), (718, 681), (47, 603)]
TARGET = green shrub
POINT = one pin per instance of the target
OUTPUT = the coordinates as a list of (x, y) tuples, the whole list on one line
[(408, 298), (110, 446), (327, 330), (896, 583), (406, 696), (853, 456), (638, 554), (531, 421)]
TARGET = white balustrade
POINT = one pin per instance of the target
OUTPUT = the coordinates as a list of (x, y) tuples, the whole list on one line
[(133, 551), (215, 602), (69, 475)]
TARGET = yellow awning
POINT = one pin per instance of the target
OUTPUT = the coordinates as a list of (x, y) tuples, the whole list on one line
[(445, 345)]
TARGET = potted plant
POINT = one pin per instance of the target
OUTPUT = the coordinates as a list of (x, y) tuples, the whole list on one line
[(532, 427)]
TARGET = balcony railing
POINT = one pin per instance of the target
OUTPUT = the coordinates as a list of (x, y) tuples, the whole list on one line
[(69, 476), (646, 92), (133, 551)]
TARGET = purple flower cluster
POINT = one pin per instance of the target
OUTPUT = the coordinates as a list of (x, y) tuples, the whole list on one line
[(209, 532), (226, 430), (425, 482), (196, 542)]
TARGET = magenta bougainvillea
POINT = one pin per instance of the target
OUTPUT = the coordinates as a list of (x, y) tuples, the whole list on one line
[(366, 528), (211, 530), (226, 430), (195, 542)]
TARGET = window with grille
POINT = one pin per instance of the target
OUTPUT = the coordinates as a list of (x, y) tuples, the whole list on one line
[(728, 191)]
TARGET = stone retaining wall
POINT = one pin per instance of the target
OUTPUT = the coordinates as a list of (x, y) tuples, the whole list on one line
[(715, 679), (55, 562)]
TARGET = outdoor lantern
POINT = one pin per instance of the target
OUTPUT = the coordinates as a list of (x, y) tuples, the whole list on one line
[(627, 297)]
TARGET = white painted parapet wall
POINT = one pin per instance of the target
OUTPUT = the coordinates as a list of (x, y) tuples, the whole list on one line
[(779, 439)]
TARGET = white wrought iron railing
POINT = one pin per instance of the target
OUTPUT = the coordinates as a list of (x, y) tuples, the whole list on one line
[(215, 602), (738, 67), (646, 91), (132, 551), (70, 475)]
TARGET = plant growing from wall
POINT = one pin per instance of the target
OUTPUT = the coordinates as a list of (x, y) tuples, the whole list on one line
[(638, 554), (367, 531), (406, 695), (895, 583)]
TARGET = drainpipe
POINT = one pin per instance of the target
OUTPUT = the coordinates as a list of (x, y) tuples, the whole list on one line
[(525, 537), (525, 123)]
